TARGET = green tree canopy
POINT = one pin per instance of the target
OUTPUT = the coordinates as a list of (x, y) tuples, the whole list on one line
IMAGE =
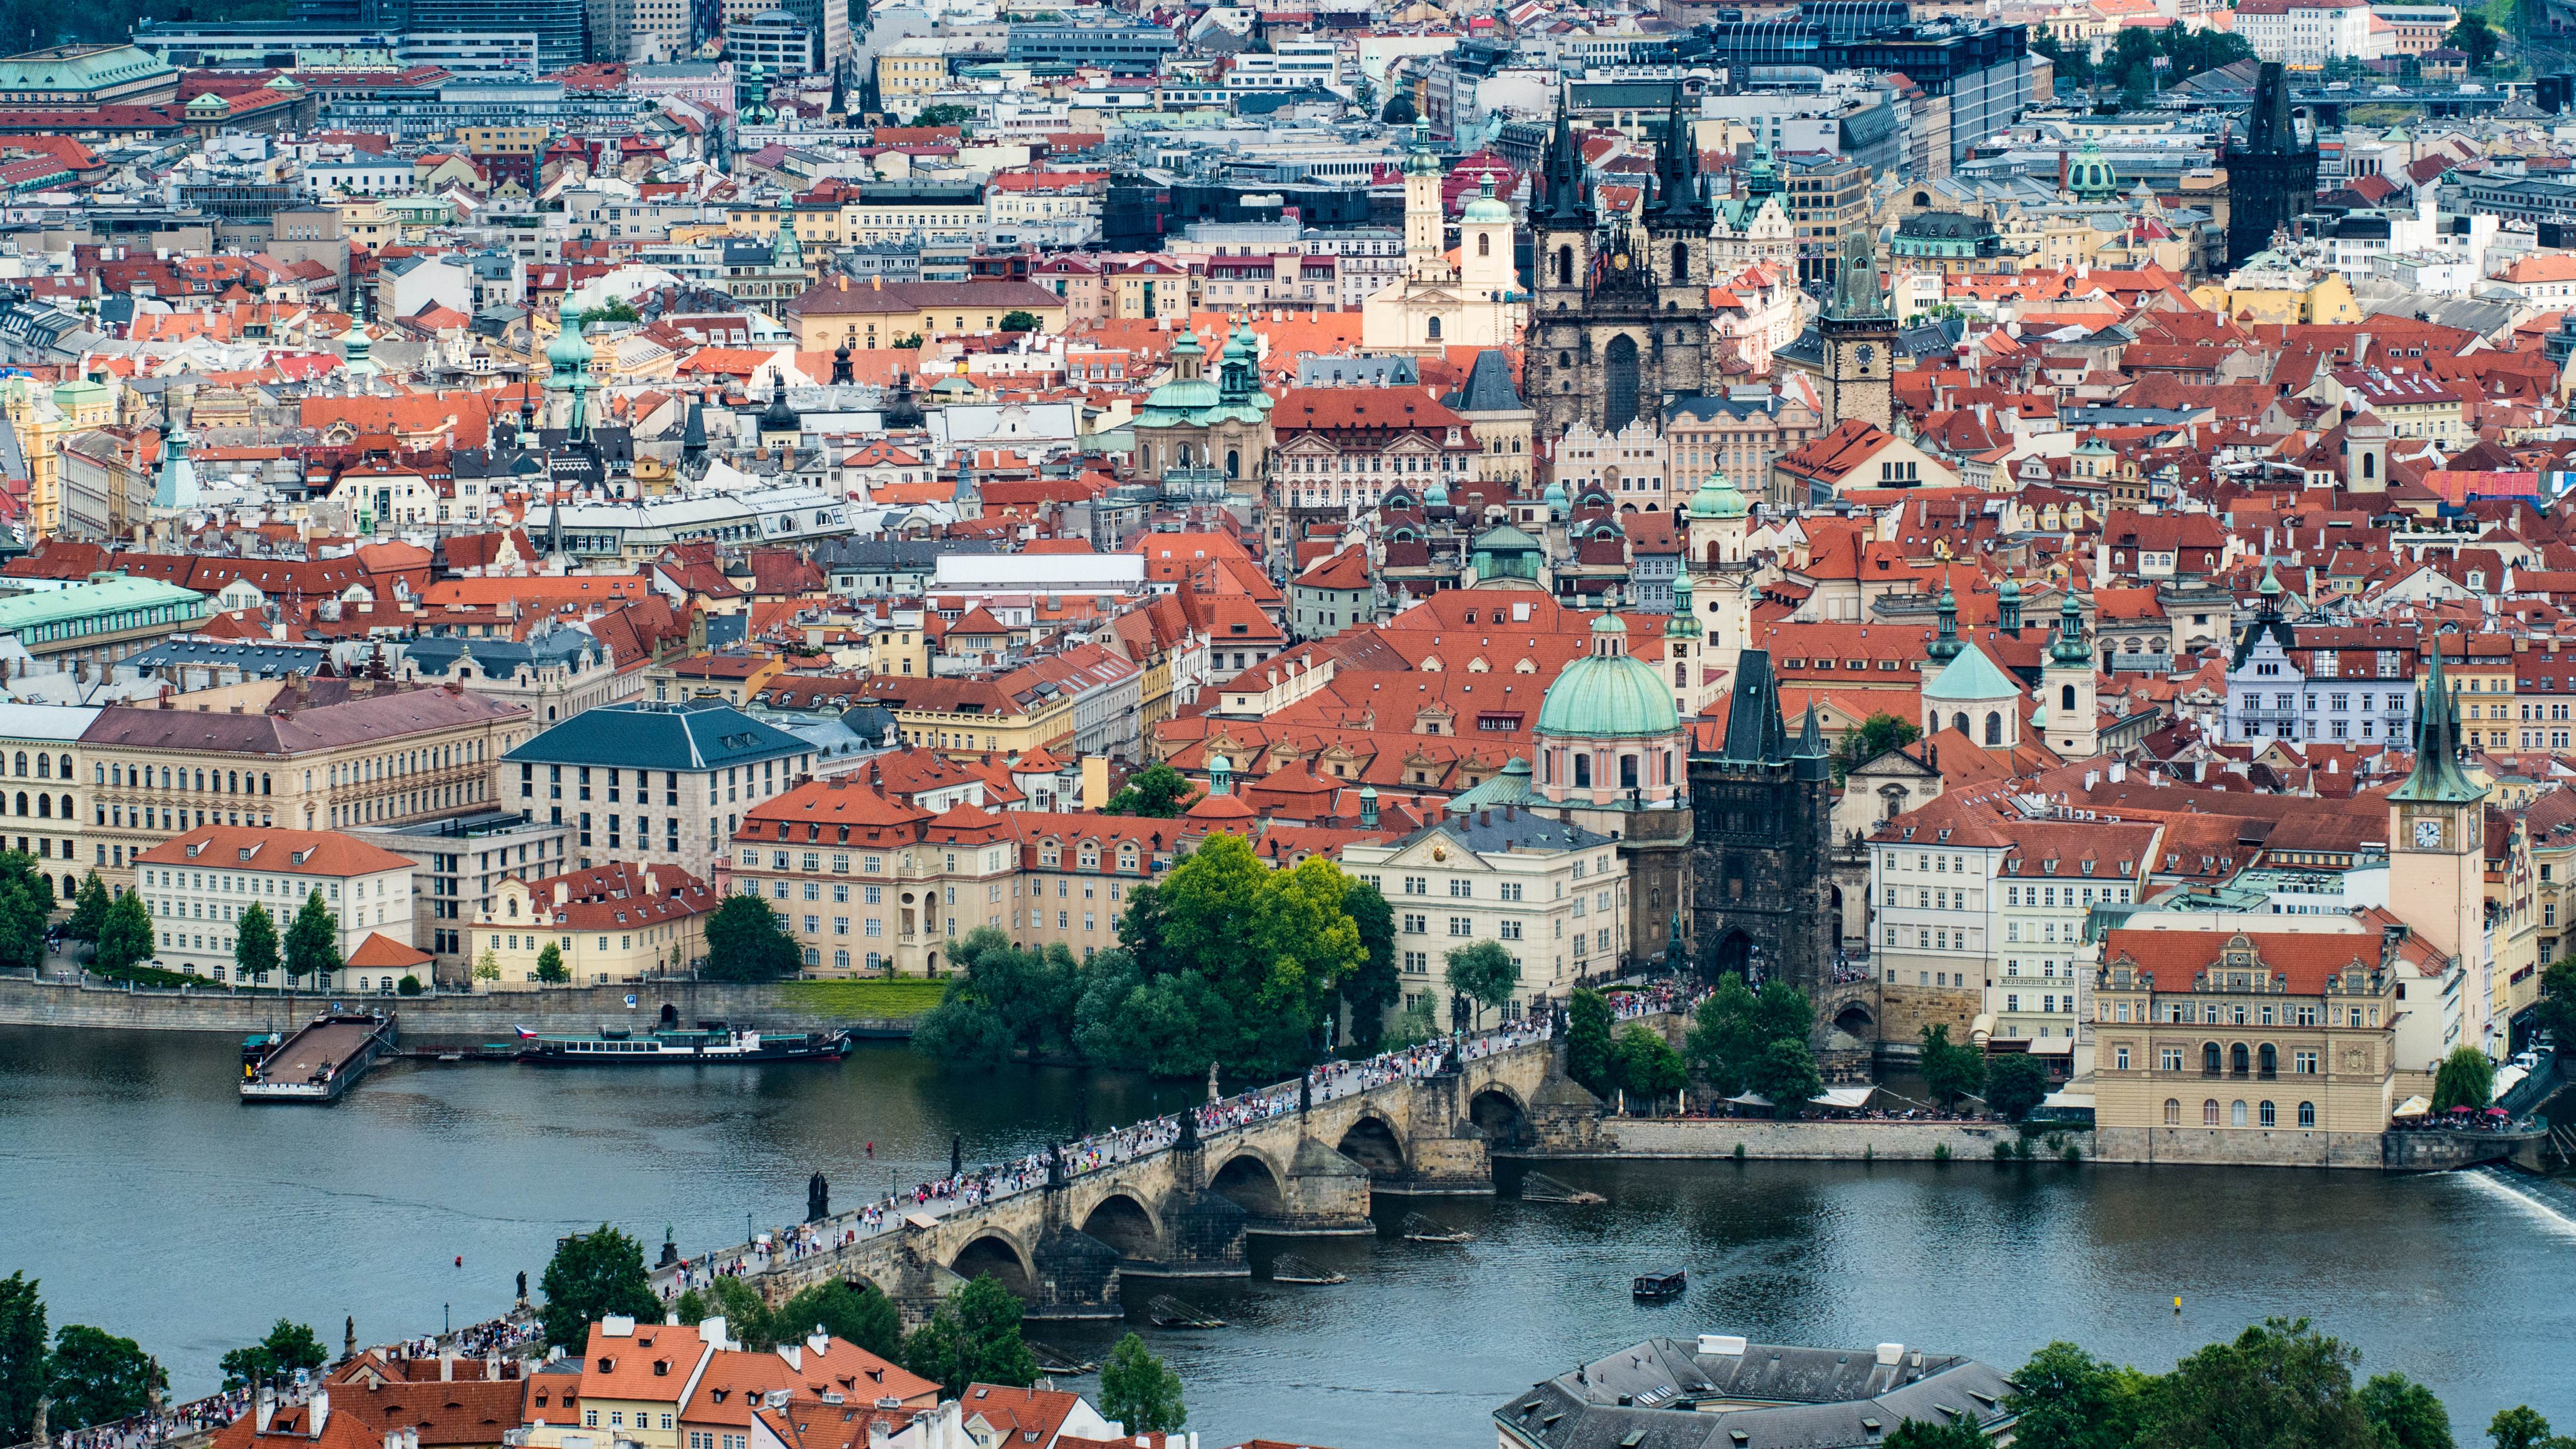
[(2068, 1399), (747, 1318), (860, 1315), (1645, 1064), (98, 1378), (2404, 1414), (2465, 1079), (1273, 945), (1139, 1392), (1484, 973), (89, 910), (961, 117), (550, 965), (2278, 1383), (1877, 735), (1950, 1070), (22, 1356), (1732, 1032), (1373, 987), (1157, 791), (746, 941), (254, 944), (288, 1347), (2473, 36), (2556, 1011), (26, 902), (1017, 321), (126, 937), (616, 310), (1587, 1040), (1786, 1073), (312, 939), (1932, 1434), (2521, 1427), (592, 1276), (2016, 1085), (974, 1337), (1001, 1001)]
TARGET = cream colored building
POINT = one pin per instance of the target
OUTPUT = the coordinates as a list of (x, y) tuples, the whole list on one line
[(200, 883), (616, 922), (1472, 301)]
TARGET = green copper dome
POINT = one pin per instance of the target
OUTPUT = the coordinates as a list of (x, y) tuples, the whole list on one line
[(568, 352), (1608, 694), (1181, 396), (1487, 208), (1717, 498)]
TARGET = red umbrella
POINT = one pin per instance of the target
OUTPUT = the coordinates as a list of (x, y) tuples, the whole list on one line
[(2496, 1112), (2457, 1110)]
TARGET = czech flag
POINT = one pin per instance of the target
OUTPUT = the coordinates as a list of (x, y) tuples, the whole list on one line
[(525, 1034)]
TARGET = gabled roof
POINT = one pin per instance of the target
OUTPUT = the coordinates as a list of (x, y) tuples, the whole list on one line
[(640, 735)]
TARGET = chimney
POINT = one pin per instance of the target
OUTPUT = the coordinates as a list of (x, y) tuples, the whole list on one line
[(318, 1413), (2119, 771), (446, 1366), (563, 893), (263, 1407)]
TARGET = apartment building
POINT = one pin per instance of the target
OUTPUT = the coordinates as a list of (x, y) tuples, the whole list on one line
[(656, 784), (201, 882), (615, 922)]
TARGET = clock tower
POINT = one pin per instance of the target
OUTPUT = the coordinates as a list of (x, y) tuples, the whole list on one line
[(2436, 835), (1856, 336)]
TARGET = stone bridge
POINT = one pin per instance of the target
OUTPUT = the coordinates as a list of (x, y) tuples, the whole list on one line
[(1185, 1211)]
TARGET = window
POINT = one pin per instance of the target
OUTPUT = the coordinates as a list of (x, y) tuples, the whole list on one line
[(1415, 925), (2307, 1114), (1462, 925), (2120, 1058), (2209, 1113)]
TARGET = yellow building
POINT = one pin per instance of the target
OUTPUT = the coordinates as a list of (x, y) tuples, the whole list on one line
[(615, 922), (879, 313), (915, 67), (1154, 287), (2277, 294), (43, 421)]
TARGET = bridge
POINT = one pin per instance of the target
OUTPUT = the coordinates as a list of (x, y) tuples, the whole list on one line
[(1183, 1208)]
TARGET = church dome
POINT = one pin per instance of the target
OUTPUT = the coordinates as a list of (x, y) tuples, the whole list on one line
[(1184, 394), (1717, 498), (1609, 693), (1437, 495), (1554, 497), (1487, 209), (569, 351)]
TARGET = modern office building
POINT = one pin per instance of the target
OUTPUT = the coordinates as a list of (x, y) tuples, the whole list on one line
[(1119, 49)]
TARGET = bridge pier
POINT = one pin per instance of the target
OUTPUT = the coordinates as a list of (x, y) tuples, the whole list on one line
[(1076, 1274), (1325, 1195)]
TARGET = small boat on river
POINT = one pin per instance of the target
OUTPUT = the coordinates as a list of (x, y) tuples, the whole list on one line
[(1419, 1229), (707, 1044), (1659, 1287), (1289, 1268)]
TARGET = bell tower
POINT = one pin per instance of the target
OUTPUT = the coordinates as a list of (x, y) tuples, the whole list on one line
[(2066, 683), (1563, 234), (2437, 877), (1858, 334)]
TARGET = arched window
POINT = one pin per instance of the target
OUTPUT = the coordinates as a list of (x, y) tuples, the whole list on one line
[(1681, 263), (1233, 463), (66, 811), (1582, 771), (2307, 1114), (1923, 198), (2173, 1112), (22, 802), (1565, 359), (1431, 328), (45, 767), (2236, 1113), (1484, 244), (2265, 1114), (1564, 275), (22, 762), (1547, 767), (2236, 1058), (2066, 697), (2270, 1057), (2209, 1057), (1959, 722), (1994, 728), (2370, 465), (2209, 1113), (1627, 772), (45, 806)]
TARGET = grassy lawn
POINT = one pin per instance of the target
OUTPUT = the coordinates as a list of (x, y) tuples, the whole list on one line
[(864, 999)]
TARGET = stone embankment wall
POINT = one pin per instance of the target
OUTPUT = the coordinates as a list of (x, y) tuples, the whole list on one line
[(1700, 1138), (447, 1019)]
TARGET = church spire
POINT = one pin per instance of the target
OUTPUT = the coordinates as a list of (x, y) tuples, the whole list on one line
[(2070, 647), (2437, 778), (1567, 206)]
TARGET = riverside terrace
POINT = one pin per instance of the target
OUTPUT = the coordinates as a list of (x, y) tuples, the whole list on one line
[(1721, 1392)]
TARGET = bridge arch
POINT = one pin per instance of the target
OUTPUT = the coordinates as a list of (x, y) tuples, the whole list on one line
[(1853, 1018), (1498, 1112), (1128, 1223), (1252, 1183), (992, 1251), (1373, 1143)]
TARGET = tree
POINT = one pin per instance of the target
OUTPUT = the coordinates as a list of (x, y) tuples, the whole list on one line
[(748, 1320), (1158, 791), (2279, 1382), (2131, 62), (1399, 110), (974, 1337), (1950, 1071), (1645, 1064), (1786, 1073), (312, 940), (1375, 985), (1139, 1392), (254, 944), (1484, 973), (487, 967), (2197, 51), (1020, 322), (860, 1315), (2465, 1079), (2473, 36), (1731, 1034), (2521, 1427), (1877, 735), (1587, 1040), (22, 1356), (550, 966), (2404, 1414), (2557, 1008), (1273, 944), (2016, 1085), (288, 1347), (26, 902), (126, 937), (906, 340), (408, 986), (1002, 1001), (616, 310), (2068, 1399), (945, 115), (1929, 1434), (591, 1276), (97, 1378), (747, 942), (89, 910)]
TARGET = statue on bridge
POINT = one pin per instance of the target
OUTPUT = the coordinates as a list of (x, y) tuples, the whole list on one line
[(818, 1199), (523, 1288), (1189, 1130), (956, 1155), (1055, 1164)]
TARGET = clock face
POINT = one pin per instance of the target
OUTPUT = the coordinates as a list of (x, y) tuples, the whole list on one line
[(1620, 261), (2428, 834)]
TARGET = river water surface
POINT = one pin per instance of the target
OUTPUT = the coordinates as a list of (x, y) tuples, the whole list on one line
[(151, 1202)]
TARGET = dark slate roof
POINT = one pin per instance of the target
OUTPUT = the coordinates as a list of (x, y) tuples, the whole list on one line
[(699, 735), (1492, 832), (1704, 407), (437, 654), (893, 556), (270, 661), (1932, 339), (724, 629), (1754, 729), (1797, 1397), (1808, 350), (1489, 386)]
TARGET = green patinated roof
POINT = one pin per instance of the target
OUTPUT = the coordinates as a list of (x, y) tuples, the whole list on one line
[(1512, 787), (1970, 676), (80, 66), (84, 601), (1608, 696)]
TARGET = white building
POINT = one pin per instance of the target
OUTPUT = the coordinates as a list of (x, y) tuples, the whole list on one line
[(2306, 32), (201, 882)]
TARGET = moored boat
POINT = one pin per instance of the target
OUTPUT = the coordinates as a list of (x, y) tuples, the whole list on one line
[(708, 1043)]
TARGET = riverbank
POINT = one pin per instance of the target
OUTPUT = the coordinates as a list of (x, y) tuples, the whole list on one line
[(467, 1019)]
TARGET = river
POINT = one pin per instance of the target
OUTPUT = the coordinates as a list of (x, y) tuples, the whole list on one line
[(151, 1202)]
